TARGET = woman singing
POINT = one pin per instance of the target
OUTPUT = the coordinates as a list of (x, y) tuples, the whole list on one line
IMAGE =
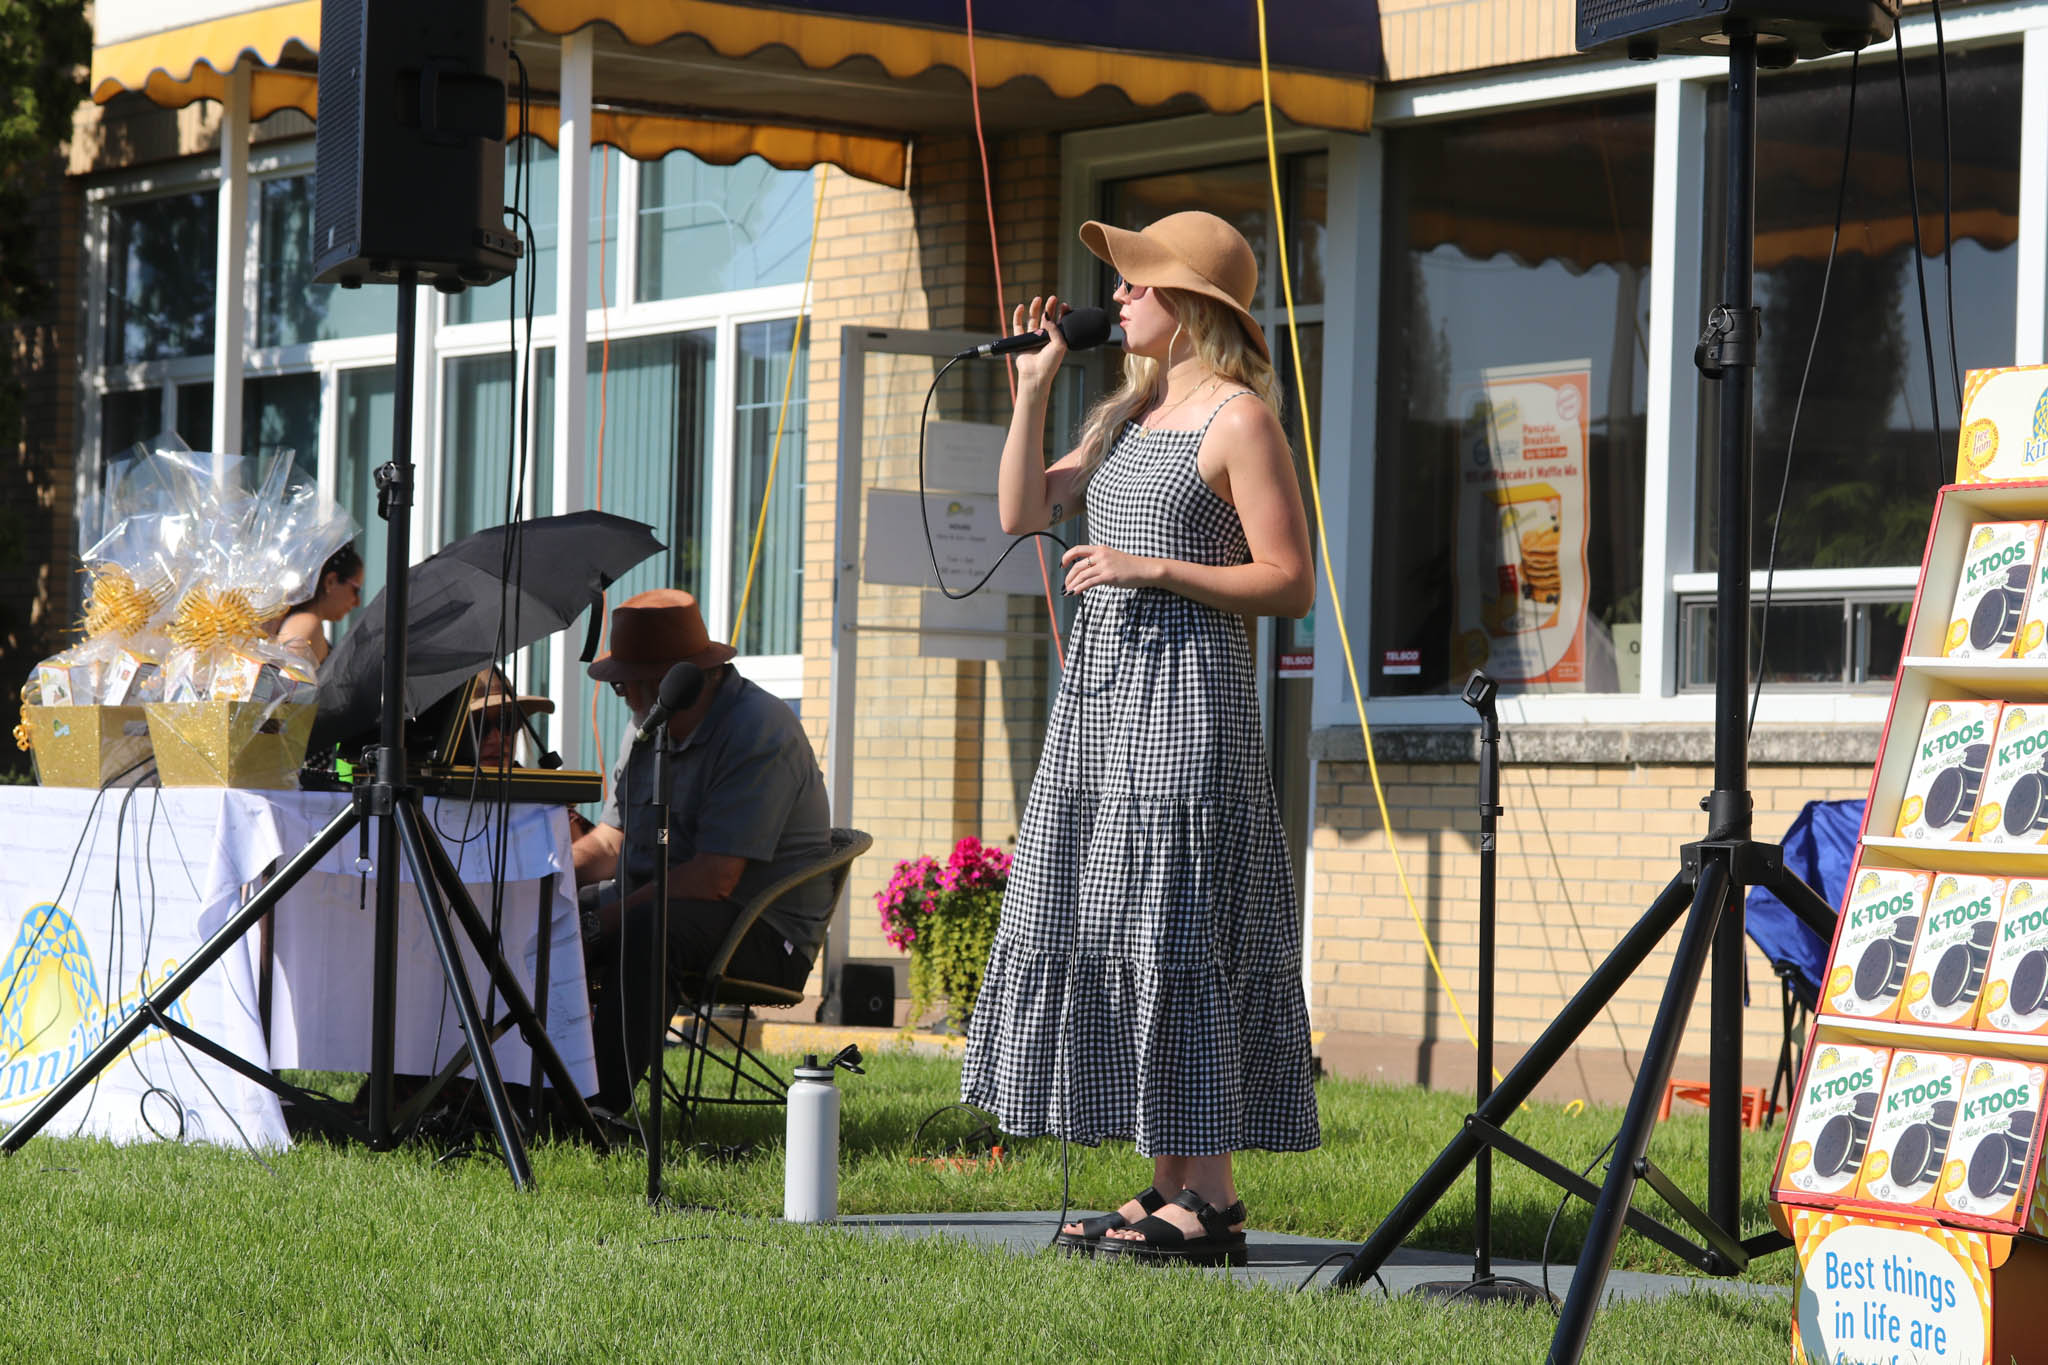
[(1145, 982)]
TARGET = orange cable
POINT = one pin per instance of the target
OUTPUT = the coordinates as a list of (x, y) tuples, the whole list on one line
[(988, 196)]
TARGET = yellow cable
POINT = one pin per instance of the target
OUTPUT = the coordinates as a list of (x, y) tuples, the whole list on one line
[(1323, 540), (796, 340)]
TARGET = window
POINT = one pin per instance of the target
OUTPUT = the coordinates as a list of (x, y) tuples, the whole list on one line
[(542, 193), (160, 267), (774, 621), (290, 308), (1869, 454), (367, 399), (1513, 374), (709, 229), (1828, 642)]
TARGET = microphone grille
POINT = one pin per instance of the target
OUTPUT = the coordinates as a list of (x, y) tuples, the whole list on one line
[(1085, 328)]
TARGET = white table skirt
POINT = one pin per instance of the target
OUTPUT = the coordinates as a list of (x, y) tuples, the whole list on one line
[(103, 894)]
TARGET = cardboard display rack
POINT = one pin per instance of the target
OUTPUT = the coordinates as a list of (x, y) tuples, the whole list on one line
[(1910, 1174)]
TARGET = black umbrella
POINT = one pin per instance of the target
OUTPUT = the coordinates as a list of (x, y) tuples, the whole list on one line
[(535, 578)]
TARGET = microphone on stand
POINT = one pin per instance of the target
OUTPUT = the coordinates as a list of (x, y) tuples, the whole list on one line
[(1083, 330), (679, 691)]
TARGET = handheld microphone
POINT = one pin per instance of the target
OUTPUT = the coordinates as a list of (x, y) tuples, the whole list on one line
[(679, 691), (1083, 330)]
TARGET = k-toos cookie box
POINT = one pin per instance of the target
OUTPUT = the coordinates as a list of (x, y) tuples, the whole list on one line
[(1953, 950), (1948, 770), (1909, 1141), (1830, 1130), (1879, 924), (1992, 589), (1994, 1137), (2015, 998), (2012, 807)]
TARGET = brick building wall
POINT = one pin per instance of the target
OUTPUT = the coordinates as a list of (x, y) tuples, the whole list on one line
[(945, 748), (1583, 851)]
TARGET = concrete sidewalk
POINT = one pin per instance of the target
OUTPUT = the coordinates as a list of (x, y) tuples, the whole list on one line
[(1285, 1261)]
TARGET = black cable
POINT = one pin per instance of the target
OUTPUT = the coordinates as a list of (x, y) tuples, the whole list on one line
[(1543, 1263), (1322, 1264), (1919, 258), (1948, 223), (924, 511), (177, 1042), (1066, 1193), (1763, 635), (987, 1128)]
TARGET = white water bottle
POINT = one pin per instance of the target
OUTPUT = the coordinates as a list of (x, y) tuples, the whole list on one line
[(810, 1176)]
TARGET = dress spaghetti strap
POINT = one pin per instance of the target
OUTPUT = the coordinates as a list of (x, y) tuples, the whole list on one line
[(1204, 430)]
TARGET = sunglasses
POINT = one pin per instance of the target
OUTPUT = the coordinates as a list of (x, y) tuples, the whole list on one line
[(1127, 289)]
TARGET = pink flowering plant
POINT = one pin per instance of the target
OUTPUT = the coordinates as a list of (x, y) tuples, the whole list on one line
[(944, 916)]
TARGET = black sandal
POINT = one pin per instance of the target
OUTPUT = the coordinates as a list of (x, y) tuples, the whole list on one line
[(1084, 1242), (1161, 1243)]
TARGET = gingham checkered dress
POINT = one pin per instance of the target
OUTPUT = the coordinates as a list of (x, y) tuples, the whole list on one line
[(1145, 981)]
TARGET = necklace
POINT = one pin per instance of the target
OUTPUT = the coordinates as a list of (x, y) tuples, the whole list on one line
[(1180, 402)]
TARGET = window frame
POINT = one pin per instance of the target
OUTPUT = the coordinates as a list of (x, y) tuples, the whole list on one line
[(438, 342)]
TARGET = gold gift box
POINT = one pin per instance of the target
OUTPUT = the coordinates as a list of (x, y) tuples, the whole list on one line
[(87, 746), (229, 743)]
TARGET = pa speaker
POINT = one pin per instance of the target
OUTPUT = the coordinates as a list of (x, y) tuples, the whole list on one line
[(409, 148), (867, 994), (1786, 30)]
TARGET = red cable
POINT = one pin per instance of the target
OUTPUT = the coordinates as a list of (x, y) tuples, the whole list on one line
[(988, 196)]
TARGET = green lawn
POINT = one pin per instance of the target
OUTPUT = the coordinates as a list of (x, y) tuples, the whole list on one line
[(169, 1253)]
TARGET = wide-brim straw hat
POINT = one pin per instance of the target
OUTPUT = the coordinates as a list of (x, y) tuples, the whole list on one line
[(1192, 251), (654, 631)]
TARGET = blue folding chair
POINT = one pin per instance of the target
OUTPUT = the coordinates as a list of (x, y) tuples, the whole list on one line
[(1820, 846)]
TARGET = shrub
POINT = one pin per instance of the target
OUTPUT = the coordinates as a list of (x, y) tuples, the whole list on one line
[(945, 918)]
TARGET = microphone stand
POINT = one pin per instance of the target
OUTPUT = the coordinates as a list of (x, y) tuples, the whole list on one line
[(1485, 1286)]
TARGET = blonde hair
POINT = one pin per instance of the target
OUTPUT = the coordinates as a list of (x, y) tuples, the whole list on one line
[(1221, 346)]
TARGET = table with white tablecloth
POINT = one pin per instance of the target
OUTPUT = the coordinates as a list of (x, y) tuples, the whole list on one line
[(103, 894)]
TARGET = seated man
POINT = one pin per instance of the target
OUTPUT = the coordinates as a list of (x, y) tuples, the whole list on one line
[(491, 732), (746, 808)]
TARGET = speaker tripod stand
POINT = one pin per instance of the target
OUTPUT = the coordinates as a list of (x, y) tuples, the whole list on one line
[(1707, 891), (393, 808)]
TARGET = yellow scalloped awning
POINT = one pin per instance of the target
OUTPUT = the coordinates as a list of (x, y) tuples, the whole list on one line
[(175, 65), (178, 66), (822, 41), (645, 136)]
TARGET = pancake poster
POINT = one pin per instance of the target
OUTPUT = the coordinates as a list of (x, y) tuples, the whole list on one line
[(1992, 589), (1879, 924), (1830, 1132), (2016, 988), (1993, 1139), (1519, 586), (1947, 770), (1909, 1141), (1953, 951)]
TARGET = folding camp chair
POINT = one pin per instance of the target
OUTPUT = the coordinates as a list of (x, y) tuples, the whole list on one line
[(720, 1007), (1820, 846)]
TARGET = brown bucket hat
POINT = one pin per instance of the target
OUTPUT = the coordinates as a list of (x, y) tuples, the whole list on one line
[(1193, 251), (652, 632)]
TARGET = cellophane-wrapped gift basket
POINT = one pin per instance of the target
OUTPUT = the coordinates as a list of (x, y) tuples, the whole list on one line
[(177, 658)]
